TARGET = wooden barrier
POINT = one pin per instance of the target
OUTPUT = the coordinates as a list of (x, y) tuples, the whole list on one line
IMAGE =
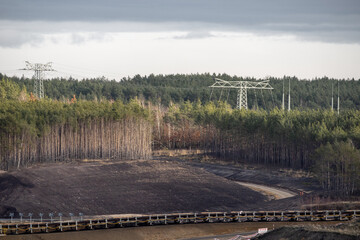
[(15, 227)]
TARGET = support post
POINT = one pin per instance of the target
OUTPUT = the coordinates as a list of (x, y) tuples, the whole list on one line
[(38, 69), (338, 102), (242, 97), (242, 87), (289, 105)]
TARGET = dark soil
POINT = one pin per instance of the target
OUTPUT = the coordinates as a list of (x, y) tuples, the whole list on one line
[(293, 233), (272, 177), (257, 174), (137, 186)]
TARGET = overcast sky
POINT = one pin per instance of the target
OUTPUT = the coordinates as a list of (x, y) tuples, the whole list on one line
[(120, 38)]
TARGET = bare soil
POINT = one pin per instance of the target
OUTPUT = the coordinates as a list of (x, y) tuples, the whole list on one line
[(299, 184), (343, 231), (120, 187)]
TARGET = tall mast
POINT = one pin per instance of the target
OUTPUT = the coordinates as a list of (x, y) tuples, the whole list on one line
[(39, 70), (338, 103), (332, 96), (289, 97), (283, 96)]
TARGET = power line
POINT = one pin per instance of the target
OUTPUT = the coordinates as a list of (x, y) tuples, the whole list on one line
[(86, 71), (39, 70), (242, 87)]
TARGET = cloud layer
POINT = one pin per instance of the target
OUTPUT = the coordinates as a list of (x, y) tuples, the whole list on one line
[(320, 20)]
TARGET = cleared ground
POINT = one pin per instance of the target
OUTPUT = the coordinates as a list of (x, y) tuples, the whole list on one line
[(341, 231), (126, 187)]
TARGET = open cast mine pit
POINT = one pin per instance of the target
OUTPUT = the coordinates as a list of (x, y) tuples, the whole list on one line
[(120, 187)]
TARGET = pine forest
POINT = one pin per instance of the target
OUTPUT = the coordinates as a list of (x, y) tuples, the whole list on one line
[(101, 119)]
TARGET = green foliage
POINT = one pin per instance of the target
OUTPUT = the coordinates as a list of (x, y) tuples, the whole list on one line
[(9, 90), (36, 117), (312, 126), (179, 88), (337, 167)]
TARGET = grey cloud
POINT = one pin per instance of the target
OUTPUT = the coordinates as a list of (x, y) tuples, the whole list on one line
[(15, 38), (77, 38), (17, 33), (195, 35), (214, 11), (324, 20)]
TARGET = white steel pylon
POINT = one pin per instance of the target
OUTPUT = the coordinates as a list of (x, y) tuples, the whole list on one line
[(242, 97), (242, 87), (38, 76)]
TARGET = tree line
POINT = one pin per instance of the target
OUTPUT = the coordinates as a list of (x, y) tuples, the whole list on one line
[(51, 131), (179, 88)]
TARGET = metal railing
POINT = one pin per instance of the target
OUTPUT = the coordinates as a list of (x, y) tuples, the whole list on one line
[(75, 223)]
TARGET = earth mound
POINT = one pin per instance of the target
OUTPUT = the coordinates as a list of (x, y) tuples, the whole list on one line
[(120, 187), (343, 231)]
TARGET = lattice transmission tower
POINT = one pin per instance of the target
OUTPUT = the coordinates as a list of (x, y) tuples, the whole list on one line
[(242, 87), (39, 70)]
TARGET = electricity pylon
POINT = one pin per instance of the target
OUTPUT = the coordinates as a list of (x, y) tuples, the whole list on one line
[(38, 76), (242, 87)]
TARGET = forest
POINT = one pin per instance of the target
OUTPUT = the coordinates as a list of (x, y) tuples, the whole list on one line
[(311, 137), (179, 88), (33, 131)]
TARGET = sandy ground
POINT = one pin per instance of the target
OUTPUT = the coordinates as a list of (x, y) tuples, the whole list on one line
[(168, 232), (271, 192)]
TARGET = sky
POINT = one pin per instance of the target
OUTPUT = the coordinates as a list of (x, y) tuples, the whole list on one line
[(121, 38)]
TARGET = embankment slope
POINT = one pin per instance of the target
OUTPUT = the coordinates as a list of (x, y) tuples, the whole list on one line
[(117, 187)]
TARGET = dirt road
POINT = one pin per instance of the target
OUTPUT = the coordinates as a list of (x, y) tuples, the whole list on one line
[(270, 192)]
